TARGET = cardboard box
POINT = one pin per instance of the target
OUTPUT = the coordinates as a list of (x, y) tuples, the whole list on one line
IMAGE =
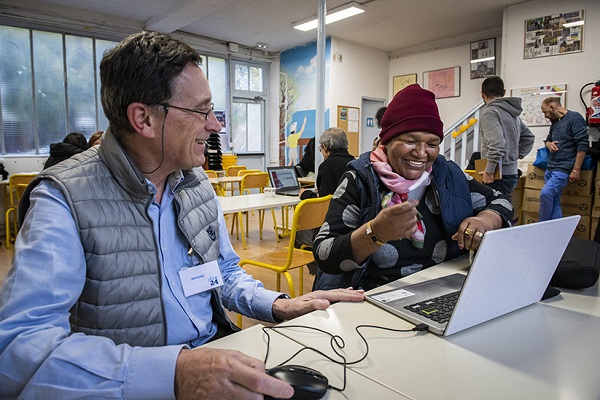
[(571, 205), (517, 199), (534, 179), (593, 227), (582, 230), (480, 167), (597, 189), (531, 200), (583, 187)]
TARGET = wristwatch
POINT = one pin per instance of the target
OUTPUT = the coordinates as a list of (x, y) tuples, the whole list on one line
[(372, 234)]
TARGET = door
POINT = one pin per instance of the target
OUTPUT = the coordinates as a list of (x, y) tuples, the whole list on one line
[(369, 129)]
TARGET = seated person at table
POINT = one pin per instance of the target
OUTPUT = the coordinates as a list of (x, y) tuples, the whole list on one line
[(333, 144), (95, 139), (106, 291), (374, 234), (73, 143)]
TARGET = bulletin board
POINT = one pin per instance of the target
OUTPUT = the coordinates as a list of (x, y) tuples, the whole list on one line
[(532, 98), (348, 119)]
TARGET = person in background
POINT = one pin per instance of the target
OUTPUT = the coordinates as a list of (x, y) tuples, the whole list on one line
[(378, 116), (307, 164), (3, 172), (73, 143), (95, 139), (333, 145), (567, 141), (505, 138), (377, 231), (117, 276)]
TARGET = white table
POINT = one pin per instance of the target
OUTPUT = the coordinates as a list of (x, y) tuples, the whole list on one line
[(549, 350), (252, 342), (258, 201)]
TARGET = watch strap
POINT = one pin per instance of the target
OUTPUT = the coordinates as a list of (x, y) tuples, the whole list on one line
[(372, 235)]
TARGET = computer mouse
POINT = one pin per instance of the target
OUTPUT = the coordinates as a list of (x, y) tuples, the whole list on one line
[(308, 384)]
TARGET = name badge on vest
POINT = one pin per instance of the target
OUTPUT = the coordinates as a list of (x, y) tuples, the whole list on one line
[(200, 278)]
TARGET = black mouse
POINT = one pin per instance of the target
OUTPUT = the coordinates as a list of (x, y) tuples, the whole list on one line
[(308, 384)]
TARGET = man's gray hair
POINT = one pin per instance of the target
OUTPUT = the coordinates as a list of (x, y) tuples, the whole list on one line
[(334, 138)]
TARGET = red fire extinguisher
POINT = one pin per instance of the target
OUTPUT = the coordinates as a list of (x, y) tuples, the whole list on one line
[(593, 110)]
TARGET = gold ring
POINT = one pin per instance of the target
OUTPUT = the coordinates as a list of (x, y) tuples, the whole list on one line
[(468, 231), (479, 234)]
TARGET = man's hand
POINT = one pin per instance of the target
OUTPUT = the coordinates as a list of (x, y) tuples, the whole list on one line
[(552, 146), (224, 374), (487, 177), (285, 309)]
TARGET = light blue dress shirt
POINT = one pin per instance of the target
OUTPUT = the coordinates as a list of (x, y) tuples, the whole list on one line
[(40, 358)]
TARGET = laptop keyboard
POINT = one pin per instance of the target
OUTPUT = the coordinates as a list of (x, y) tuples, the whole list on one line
[(438, 309)]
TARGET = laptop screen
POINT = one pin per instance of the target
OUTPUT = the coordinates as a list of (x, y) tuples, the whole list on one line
[(283, 177)]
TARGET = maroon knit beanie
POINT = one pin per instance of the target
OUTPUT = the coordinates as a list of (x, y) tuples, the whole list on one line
[(412, 109)]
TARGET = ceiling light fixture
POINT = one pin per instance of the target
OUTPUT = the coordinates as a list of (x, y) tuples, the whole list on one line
[(333, 15), (574, 23), (262, 45)]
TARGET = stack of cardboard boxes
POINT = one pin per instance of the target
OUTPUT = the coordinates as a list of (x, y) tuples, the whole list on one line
[(596, 209), (576, 199)]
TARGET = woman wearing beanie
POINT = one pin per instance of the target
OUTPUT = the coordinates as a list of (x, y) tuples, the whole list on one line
[(377, 230)]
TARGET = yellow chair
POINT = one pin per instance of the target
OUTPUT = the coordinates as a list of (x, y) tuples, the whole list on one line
[(309, 214), (17, 183), (218, 188), (232, 170), (252, 180)]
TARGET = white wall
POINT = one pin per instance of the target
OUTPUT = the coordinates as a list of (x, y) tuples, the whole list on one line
[(452, 108), (574, 69), (361, 72)]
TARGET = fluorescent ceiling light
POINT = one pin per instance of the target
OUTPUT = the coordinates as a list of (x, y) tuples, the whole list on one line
[(333, 15), (574, 23), (483, 59)]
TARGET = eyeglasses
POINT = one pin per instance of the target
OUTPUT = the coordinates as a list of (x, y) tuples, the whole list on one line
[(205, 113)]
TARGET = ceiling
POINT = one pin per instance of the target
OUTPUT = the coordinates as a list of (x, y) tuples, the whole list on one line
[(396, 26)]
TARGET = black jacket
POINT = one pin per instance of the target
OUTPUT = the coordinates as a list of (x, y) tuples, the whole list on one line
[(330, 172), (60, 152)]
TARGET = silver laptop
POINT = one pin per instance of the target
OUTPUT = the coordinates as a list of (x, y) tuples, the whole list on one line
[(510, 270), (284, 180)]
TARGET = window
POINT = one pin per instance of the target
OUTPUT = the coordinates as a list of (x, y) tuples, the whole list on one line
[(48, 88), (248, 114)]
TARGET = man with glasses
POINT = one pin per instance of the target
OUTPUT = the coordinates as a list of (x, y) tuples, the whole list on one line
[(123, 262)]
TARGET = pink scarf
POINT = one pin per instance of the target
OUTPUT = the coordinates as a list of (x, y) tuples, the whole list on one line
[(399, 190)]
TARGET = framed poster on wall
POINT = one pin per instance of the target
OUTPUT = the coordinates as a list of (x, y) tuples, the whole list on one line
[(483, 58), (443, 82), (554, 34), (532, 98), (402, 81)]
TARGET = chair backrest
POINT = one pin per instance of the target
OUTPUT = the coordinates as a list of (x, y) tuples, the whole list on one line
[(310, 214), (17, 183), (254, 180), (234, 169), (211, 174), (243, 172)]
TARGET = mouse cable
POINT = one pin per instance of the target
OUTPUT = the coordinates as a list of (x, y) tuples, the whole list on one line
[(336, 341)]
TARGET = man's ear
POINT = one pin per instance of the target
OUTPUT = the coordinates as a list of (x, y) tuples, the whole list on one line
[(142, 119)]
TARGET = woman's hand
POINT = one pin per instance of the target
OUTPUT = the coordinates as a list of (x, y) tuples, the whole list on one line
[(392, 223), (396, 222), (471, 230)]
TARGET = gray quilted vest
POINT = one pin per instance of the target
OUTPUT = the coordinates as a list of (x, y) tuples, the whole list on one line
[(109, 198)]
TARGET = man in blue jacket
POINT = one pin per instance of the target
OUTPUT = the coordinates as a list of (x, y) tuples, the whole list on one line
[(567, 141)]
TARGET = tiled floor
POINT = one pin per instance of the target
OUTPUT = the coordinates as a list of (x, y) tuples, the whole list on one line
[(255, 247)]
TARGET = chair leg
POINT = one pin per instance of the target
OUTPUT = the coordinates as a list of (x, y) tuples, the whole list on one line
[(278, 282), (301, 280), (290, 284), (239, 321), (275, 224)]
